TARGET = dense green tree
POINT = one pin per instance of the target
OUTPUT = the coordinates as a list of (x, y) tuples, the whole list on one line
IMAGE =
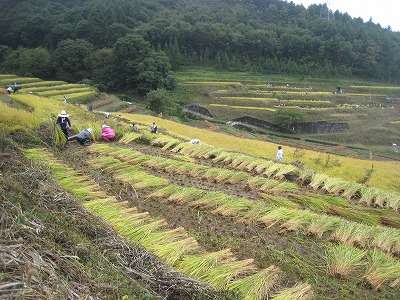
[(4, 51), (116, 31), (129, 52), (152, 73), (11, 61), (171, 49), (59, 33), (71, 60), (83, 29), (35, 62), (286, 118), (221, 60), (101, 63), (34, 31), (161, 101), (28, 62), (273, 35)]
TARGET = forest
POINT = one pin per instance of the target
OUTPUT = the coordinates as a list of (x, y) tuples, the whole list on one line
[(135, 45)]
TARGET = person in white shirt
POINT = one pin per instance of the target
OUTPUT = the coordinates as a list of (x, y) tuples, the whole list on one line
[(195, 141), (279, 154), (153, 128)]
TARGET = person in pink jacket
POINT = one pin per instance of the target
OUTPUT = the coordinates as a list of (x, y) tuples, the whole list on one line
[(107, 133)]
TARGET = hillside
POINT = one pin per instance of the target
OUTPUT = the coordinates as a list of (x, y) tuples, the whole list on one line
[(361, 115), (165, 218), (77, 40)]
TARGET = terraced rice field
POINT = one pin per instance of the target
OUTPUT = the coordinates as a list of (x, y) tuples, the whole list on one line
[(75, 93), (233, 220), (224, 98), (237, 221)]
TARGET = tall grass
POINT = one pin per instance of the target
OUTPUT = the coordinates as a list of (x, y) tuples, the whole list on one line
[(318, 180), (79, 98), (276, 201), (211, 200), (313, 203), (386, 239), (12, 119), (59, 136), (44, 86), (61, 92)]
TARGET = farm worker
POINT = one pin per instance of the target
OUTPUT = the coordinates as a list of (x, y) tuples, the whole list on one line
[(16, 87), (82, 137), (153, 128), (63, 122), (195, 141), (134, 128), (279, 154), (106, 115), (9, 89), (107, 133), (65, 99)]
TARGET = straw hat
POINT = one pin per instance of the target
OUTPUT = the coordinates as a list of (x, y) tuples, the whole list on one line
[(104, 126), (63, 114), (89, 129)]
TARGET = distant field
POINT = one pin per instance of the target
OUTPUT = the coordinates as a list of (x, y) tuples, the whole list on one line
[(313, 97)]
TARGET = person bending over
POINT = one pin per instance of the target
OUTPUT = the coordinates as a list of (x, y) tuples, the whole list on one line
[(82, 137), (107, 133)]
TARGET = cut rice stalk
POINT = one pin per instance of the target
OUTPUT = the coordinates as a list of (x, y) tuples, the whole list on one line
[(222, 275), (382, 269), (343, 260), (257, 286), (298, 292), (198, 266), (172, 252)]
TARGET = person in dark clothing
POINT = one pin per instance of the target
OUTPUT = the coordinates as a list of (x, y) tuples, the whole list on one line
[(153, 128), (134, 128), (63, 122), (82, 137)]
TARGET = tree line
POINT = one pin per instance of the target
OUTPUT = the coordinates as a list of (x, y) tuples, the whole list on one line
[(135, 44)]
